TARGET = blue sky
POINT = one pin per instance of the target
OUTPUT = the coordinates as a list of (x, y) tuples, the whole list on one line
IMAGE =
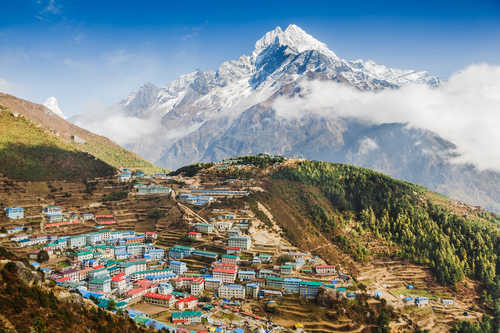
[(92, 53)]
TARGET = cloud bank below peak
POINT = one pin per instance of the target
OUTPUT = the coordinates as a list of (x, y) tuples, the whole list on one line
[(464, 110)]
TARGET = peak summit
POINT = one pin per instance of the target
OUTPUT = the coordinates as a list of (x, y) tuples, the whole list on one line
[(293, 37), (52, 104)]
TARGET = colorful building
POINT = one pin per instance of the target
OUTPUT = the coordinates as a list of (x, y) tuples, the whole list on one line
[(212, 283), (187, 318), (100, 285), (243, 242), (205, 228), (309, 289), (252, 290), (178, 267), (14, 213), (119, 281), (189, 302), (230, 259), (236, 291), (197, 286), (246, 275), (225, 275), (159, 299), (325, 270)]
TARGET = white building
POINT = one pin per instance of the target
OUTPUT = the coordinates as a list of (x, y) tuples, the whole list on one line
[(246, 275), (212, 283), (100, 285), (205, 228), (178, 267), (232, 291), (77, 241), (119, 282), (225, 275), (243, 242), (52, 210), (197, 286), (14, 213), (325, 270)]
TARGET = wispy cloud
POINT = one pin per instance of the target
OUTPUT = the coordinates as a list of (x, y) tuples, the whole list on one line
[(111, 122), (52, 7), (193, 33), (77, 38), (118, 57), (464, 110), (4, 85), (48, 9), (9, 87)]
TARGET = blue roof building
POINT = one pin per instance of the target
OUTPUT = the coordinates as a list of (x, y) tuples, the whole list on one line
[(14, 213)]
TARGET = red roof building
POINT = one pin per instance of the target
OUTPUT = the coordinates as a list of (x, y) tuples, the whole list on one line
[(159, 299), (186, 303), (227, 275)]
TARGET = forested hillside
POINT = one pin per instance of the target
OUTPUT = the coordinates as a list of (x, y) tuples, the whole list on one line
[(401, 212), (354, 215), (426, 232)]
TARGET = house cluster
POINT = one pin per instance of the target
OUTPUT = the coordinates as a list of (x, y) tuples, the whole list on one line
[(204, 197), (126, 266), (197, 200), (143, 189), (125, 175), (53, 216), (14, 213)]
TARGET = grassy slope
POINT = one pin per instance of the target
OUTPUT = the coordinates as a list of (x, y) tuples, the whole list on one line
[(98, 146), (29, 152)]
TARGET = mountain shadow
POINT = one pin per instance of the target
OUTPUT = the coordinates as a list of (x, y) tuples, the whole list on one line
[(47, 162)]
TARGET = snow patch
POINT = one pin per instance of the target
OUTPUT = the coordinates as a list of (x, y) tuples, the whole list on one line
[(52, 104)]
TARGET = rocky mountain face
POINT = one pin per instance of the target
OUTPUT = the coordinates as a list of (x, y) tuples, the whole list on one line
[(211, 115)]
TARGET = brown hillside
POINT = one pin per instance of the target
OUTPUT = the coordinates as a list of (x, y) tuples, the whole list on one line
[(96, 145)]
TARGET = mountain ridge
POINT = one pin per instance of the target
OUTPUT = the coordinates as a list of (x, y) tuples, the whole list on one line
[(37, 144), (211, 115)]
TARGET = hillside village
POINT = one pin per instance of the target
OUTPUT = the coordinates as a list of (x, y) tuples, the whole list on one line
[(193, 252)]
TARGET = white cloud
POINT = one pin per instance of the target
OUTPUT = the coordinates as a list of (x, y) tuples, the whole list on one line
[(112, 123), (50, 7), (464, 110), (366, 145), (118, 57)]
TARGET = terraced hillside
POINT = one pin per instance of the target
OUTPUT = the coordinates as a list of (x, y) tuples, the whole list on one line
[(354, 218), (61, 135), (385, 233)]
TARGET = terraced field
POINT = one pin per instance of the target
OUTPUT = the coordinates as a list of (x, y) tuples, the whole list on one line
[(312, 317), (392, 278)]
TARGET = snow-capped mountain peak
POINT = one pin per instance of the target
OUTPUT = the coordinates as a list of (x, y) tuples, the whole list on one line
[(52, 104), (293, 37)]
